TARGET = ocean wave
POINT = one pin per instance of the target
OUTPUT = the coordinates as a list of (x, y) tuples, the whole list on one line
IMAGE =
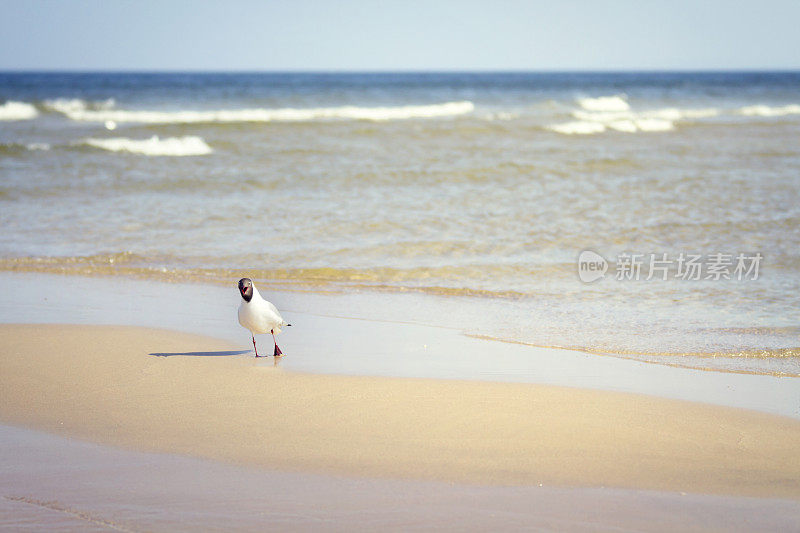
[(501, 116), (767, 111), (605, 103), (78, 113), (581, 127), (76, 105), (16, 148), (614, 113), (12, 110), (154, 146), (38, 146), (589, 127), (671, 114)]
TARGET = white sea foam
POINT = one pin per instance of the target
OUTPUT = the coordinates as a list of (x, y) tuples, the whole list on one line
[(65, 105), (588, 127), (667, 114), (605, 103), (767, 111), (672, 113), (154, 146), (38, 146), (77, 105), (17, 111), (613, 113), (628, 126), (500, 116), (269, 115), (578, 128)]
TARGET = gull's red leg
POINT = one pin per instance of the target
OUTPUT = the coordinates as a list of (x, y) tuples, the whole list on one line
[(277, 350), (254, 345)]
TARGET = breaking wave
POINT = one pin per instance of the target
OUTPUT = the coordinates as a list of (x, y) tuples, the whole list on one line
[(630, 123), (767, 111), (590, 115), (77, 110), (17, 111), (604, 113), (604, 103), (154, 146), (578, 128), (76, 105), (38, 146), (614, 113)]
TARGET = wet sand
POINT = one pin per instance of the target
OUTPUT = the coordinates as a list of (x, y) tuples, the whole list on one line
[(55, 483), (369, 334), (163, 391)]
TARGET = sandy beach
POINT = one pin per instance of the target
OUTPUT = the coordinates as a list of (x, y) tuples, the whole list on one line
[(540, 265), (162, 391), (169, 423), (57, 483)]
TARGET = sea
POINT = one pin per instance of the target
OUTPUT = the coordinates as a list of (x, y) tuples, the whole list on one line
[(647, 215)]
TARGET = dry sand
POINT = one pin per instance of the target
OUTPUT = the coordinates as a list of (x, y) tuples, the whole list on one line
[(202, 397)]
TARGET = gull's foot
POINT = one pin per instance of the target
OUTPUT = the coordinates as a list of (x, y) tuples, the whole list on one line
[(278, 351)]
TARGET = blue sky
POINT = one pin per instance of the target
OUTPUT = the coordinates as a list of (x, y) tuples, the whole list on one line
[(402, 35)]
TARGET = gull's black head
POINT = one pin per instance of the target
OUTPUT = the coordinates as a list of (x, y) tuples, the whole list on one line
[(246, 289)]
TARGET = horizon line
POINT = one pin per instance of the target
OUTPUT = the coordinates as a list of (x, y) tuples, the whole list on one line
[(718, 70)]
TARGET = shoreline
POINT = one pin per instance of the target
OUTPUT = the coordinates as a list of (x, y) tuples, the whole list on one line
[(354, 334), (108, 267), (107, 384)]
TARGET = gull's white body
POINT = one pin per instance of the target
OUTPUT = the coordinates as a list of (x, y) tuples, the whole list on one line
[(259, 315)]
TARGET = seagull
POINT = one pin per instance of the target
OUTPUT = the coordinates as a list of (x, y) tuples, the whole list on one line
[(258, 315)]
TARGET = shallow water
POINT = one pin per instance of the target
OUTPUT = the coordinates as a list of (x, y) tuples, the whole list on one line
[(482, 189)]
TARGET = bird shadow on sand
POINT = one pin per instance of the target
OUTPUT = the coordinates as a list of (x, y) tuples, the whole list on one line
[(223, 353)]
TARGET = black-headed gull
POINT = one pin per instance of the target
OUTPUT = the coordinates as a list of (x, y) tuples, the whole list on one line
[(258, 315)]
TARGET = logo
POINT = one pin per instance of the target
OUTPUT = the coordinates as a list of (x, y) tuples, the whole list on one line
[(591, 266)]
